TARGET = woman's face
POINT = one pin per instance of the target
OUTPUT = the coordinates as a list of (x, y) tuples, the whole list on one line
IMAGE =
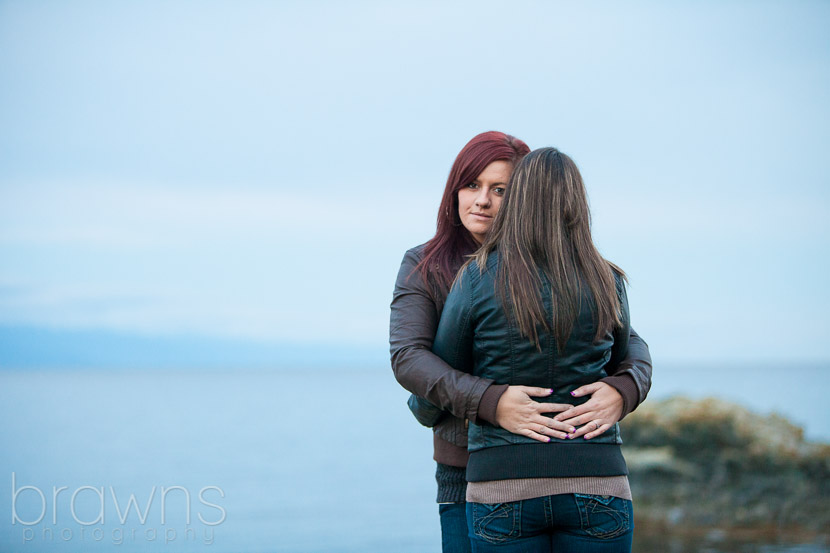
[(479, 201)]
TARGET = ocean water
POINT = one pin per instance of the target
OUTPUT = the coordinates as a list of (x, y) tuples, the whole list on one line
[(796, 391), (255, 461)]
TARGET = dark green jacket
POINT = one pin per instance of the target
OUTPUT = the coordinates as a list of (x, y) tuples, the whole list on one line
[(477, 336)]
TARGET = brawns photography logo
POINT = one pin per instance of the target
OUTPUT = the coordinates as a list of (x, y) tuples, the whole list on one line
[(89, 513)]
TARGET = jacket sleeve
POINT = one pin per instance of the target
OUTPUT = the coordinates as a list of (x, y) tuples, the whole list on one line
[(454, 338), (630, 370), (413, 323)]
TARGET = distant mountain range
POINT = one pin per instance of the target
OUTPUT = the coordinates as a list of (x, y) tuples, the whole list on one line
[(29, 347)]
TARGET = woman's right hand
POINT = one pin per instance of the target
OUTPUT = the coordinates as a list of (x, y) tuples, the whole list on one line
[(520, 414)]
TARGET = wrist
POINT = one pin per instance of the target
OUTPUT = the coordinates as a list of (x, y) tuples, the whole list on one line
[(627, 388), (488, 405)]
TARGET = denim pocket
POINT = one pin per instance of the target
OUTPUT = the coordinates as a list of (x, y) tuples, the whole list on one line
[(603, 516), (497, 522)]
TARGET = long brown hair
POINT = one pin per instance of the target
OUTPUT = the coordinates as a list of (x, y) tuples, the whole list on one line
[(446, 251), (544, 225)]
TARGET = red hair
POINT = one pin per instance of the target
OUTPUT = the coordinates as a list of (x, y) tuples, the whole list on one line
[(445, 252)]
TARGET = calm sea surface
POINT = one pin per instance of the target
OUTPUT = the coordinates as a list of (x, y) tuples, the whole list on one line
[(318, 461)]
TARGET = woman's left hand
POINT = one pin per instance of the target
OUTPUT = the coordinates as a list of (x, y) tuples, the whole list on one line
[(596, 415)]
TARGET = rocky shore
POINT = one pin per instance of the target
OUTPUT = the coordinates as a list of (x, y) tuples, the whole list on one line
[(713, 464)]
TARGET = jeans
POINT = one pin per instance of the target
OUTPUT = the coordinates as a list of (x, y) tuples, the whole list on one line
[(566, 523), (454, 538)]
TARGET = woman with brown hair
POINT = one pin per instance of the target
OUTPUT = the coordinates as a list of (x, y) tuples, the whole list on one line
[(472, 198), (537, 305)]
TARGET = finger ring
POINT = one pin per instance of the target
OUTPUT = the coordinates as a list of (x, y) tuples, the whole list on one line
[(596, 426), (542, 431)]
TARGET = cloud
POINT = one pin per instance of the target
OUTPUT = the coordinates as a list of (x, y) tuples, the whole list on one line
[(118, 215), (231, 262)]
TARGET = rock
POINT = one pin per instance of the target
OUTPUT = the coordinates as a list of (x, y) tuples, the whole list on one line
[(713, 463)]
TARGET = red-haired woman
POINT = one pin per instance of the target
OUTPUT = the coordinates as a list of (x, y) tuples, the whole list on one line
[(472, 197)]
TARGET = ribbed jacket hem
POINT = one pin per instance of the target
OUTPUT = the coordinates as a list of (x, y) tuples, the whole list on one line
[(448, 453), (545, 460)]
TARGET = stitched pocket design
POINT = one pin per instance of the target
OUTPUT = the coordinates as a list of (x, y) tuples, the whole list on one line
[(497, 523), (603, 516)]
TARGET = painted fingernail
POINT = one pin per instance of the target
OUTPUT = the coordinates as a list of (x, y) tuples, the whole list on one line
[(586, 437), (573, 429), (549, 438), (567, 435), (573, 394), (550, 390)]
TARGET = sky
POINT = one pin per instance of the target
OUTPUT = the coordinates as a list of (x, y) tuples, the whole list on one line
[(249, 174)]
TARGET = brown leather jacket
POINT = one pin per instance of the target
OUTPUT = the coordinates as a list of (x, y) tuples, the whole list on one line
[(416, 311)]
